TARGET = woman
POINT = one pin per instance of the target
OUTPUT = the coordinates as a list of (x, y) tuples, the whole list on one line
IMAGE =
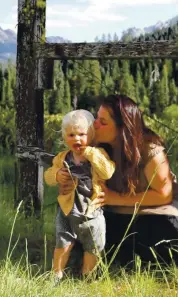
[(142, 183)]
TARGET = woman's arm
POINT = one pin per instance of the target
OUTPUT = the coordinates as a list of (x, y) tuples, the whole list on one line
[(157, 172)]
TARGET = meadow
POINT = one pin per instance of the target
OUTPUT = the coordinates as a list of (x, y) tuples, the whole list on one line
[(26, 245), (27, 249)]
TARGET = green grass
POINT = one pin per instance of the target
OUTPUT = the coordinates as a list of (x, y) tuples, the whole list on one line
[(26, 260), (17, 281), (7, 169)]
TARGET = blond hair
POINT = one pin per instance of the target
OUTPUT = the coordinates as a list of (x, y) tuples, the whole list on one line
[(78, 118)]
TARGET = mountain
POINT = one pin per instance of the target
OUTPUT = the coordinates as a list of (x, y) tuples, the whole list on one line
[(136, 32), (8, 38), (8, 44), (57, 39), (160, 25)]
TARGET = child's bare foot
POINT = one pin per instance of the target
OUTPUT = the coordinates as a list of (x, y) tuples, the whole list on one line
[(58, 277)]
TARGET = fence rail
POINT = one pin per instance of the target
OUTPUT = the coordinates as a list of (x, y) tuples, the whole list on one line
[(114, 50)]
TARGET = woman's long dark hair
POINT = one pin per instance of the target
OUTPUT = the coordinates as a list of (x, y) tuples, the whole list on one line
[(132, 135)]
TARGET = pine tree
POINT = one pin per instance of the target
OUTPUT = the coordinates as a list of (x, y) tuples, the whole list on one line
[(164, 90), (154, 96), (115, 74), (109, 38), (56, 104), (147, 74), (67, 98), (108, 83), (115, 38), (1, 84), (141, 94), (74, 79), (104, 91), (127, 85), (48, 100), (173, 92), (12, 84), (115, 70), (103, 38), (5, 88), (94, 78), (169, 67), (145, 105), (8, 86), (96, 39), (139, 85), (84, 68)]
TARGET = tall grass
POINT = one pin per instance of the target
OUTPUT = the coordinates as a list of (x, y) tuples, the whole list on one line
[(7, 172), (26, 253), (19, 281)]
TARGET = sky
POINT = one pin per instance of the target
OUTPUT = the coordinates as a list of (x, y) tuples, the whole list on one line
[(83, 20)]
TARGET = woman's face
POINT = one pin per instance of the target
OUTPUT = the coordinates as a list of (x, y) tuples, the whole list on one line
[(106, 130)]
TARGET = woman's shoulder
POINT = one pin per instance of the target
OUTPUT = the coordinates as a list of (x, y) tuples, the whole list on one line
[(150, 150)]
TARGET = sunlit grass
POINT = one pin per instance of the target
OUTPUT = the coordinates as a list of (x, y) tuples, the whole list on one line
[(20, 278), (26, 262), (19, 282)]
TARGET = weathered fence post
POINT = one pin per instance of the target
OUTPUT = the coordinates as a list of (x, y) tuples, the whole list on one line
[(29, 105)]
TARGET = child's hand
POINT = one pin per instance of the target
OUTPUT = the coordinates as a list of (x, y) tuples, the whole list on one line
[(66, 184), (63, 176)]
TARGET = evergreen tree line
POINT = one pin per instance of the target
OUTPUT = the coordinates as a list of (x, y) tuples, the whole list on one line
[(169, 33), (77, 84), (152, 84)]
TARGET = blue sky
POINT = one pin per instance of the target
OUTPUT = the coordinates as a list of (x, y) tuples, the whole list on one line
[(83, 20)]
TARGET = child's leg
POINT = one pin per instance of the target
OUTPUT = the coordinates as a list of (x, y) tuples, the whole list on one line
[(89, 262), (61, 256), (92, 237)]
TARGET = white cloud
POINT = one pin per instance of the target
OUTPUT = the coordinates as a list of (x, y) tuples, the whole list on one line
[(110, 3), (88, 16), (8, 16), (14, 17), (80, 13), (14, 8), (58, 24), (10, 26), (77, 16)]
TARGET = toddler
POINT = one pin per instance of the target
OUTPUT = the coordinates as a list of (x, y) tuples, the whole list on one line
[(76, 218)]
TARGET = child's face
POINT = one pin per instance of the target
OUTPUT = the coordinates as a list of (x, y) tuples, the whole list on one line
[(76, 137)]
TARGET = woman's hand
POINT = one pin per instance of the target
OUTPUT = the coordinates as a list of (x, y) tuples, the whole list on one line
[(66, 184), (103, 197), (99, 201)]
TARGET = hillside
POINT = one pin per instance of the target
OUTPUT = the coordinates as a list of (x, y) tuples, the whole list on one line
[(8, 44)]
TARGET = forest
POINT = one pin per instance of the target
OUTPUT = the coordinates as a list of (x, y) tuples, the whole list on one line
[(77, 84)]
